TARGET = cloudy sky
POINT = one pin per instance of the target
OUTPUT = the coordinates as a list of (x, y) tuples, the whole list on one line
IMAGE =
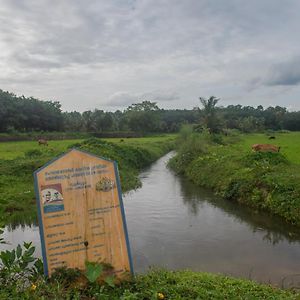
[(109, 54)]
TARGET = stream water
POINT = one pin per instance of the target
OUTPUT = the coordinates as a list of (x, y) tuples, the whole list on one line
[(174, 224)]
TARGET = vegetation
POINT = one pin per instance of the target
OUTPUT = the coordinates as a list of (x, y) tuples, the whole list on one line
[(20, 280), (17, 200), (210, 119), (264, 181), (19, 115)]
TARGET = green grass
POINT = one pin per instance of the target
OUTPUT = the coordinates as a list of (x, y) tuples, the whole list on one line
[(12, 150), (289, 143), (17, 199), (156, 284), (263, 181)]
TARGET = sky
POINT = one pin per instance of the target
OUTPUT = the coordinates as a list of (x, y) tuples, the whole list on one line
[(109, 54)]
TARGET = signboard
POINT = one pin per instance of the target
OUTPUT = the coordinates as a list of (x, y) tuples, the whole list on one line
[(81, 213)]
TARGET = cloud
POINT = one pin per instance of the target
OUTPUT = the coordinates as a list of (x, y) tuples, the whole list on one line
[(287, 73), (124, 99)]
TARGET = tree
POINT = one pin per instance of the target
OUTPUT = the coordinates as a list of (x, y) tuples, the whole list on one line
[(89, 122), (143, 117), (143, 106), (73, 121), (210, 118)]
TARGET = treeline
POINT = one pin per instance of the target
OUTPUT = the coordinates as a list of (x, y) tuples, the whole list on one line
[(249, 119), (22, 114), (29, 114)]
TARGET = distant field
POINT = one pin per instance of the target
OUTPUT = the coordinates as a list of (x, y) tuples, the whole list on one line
[(289, 143), (11, 150)]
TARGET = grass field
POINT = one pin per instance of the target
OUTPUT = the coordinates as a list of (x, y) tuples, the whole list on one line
[(289, 143), (11, 150), (18, 161)]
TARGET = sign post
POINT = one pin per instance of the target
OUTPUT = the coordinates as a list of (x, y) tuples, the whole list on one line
[(81, 213)]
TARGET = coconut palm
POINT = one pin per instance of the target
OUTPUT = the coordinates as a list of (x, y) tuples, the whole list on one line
[(210, 119)]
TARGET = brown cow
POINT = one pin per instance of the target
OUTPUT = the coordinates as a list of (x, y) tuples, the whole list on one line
[(265, 148), (43, 142)]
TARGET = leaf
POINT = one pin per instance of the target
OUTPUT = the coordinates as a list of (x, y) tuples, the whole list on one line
[(27, 245), (30, 251), (110, 280), (12, 256), (28, 259), (93, 271), (4, 258), (39, 268), (19, 251)]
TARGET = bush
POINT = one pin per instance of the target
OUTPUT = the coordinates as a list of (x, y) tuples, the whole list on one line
[(270, 158), (33, 153)]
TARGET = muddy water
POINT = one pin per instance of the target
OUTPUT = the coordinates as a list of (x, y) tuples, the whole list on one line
[(174, 224)]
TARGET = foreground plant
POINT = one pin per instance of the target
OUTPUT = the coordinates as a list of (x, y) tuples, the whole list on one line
[(19, 267)]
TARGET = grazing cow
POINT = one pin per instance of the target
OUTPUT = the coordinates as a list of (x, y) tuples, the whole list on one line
[(265, 148), (272, 137), (43, 142)]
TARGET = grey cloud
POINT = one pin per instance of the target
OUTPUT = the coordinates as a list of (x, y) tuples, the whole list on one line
[(287, 73), (86, 32), (122, 99)]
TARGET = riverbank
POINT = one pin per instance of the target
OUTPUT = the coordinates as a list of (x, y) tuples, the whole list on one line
[(174, 224), (159, 284), (17, 199), (263, 181)]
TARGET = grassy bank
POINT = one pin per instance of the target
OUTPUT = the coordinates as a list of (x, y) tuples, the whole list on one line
[(157, 284), (263, 181), (17, 200)]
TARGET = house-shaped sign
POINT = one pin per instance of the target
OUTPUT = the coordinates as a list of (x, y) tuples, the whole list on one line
[(81, 213)]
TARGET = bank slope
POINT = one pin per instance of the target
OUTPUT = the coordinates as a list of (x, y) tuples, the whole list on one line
[(17, 199), (264, 181), (157, 284)]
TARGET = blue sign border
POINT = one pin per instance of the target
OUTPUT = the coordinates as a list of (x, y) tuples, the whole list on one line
[(38, 201)]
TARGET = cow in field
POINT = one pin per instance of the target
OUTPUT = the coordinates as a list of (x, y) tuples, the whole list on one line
[(43, 142), (265, 148)]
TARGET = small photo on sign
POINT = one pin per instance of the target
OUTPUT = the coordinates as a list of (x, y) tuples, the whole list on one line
[(52, 198)]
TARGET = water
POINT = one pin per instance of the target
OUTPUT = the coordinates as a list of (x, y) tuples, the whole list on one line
[(176, 225)]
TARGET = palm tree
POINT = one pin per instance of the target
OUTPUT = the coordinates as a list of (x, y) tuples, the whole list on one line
[(210, 119)]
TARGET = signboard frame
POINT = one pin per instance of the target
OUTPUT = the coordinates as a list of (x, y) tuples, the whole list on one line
[(38, 202)]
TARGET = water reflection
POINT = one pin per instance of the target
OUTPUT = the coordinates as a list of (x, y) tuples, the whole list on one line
[(274, 228), (17, 218)]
